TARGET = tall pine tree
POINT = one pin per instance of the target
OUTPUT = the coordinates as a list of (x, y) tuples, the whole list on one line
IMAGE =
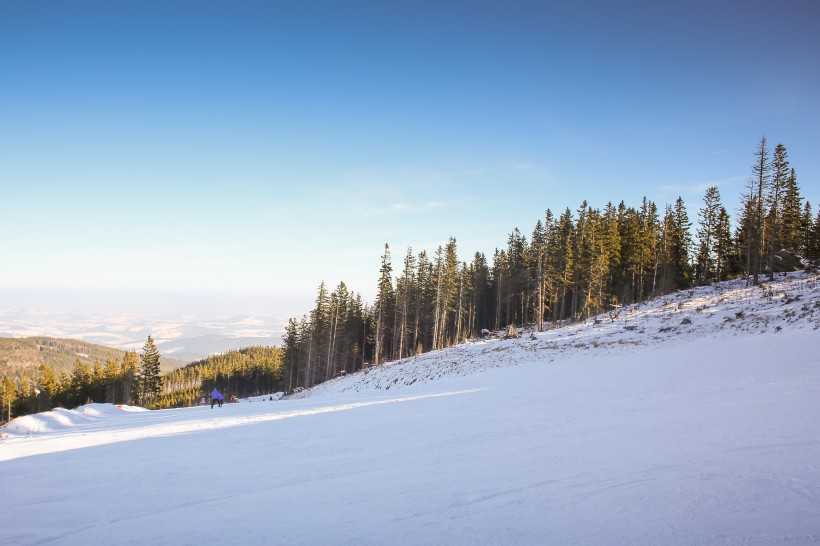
[(149, 371)]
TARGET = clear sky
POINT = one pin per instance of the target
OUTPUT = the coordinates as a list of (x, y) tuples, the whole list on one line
[(261, 147)]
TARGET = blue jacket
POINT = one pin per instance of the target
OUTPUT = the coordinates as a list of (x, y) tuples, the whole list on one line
[(215, 394)]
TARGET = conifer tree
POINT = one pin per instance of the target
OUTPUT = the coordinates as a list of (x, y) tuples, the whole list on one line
[(317, 332), (130, 378), (707, 235), (759, 181), (49, 386), (792, 216), (499, 287), (404, 302), (385, 300), (8, 397), (425, 304), (681, 243), (814, 239), (723, 246), (481, 306), (112, 374), (80, 383), (806, 229), (539, 253), (774, 203), (150, 373), (582, 249), (565, 263)]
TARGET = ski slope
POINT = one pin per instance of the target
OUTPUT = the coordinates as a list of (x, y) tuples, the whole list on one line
[(691, 419)]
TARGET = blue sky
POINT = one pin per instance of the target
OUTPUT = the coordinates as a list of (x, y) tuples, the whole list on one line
[(259, 148)]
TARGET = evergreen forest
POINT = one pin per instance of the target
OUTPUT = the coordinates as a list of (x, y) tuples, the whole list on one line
[(136, 380), (572, 265)]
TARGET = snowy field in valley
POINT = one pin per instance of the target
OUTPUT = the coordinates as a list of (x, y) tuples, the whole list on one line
[(691, 419)]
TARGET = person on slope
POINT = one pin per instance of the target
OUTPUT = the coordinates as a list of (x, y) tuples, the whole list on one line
[(216, 398)]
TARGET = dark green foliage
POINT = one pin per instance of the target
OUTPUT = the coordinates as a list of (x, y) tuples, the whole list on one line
[(706, 261), (246, 372), (151, 380)]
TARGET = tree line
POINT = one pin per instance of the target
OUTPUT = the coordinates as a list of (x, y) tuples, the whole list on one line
[(250, 371), (573, 265), (136, 380)]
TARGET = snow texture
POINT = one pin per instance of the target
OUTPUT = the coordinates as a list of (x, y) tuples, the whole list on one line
[(691, 419)]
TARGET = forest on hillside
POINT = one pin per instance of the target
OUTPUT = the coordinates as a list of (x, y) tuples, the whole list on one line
[(137, 380), (21, 357), (574, 264)]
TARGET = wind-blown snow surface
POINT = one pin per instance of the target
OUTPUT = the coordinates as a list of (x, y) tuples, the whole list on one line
[(703, 433)]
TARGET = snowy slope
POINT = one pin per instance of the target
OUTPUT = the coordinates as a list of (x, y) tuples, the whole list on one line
[(714, 313), (703, 433)]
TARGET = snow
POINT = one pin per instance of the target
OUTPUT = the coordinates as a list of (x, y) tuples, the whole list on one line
[(668, 433)]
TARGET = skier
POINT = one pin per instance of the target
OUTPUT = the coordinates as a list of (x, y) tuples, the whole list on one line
[(216, 398)]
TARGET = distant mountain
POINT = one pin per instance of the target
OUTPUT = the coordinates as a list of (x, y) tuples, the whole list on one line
[(18, 355)]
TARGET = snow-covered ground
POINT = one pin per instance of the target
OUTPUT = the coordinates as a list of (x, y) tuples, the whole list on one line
[(692, 419)]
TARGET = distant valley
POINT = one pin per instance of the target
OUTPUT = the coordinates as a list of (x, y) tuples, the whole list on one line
[(182, 338)]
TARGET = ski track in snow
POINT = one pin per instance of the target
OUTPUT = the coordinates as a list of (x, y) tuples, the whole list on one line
[(690, 419)]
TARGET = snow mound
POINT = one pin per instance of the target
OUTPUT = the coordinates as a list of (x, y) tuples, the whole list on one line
[(61, 419)]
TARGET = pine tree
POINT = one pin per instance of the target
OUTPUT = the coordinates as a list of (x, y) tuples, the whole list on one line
[(792, 216), (482, 294), (317, 336), (806, 230), (385, 300), (681, 244), (759, 181), (150, 373), (707, 235), (745, 235), (723, 246), (565, 262), (539, 252), (814, 239), (582, 249), (80, 383), (49, 386), (130, 378), (499, 284), (774, 204), (405, 287), (650, 248), (112, 374), (425, 304), (8, 397)]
